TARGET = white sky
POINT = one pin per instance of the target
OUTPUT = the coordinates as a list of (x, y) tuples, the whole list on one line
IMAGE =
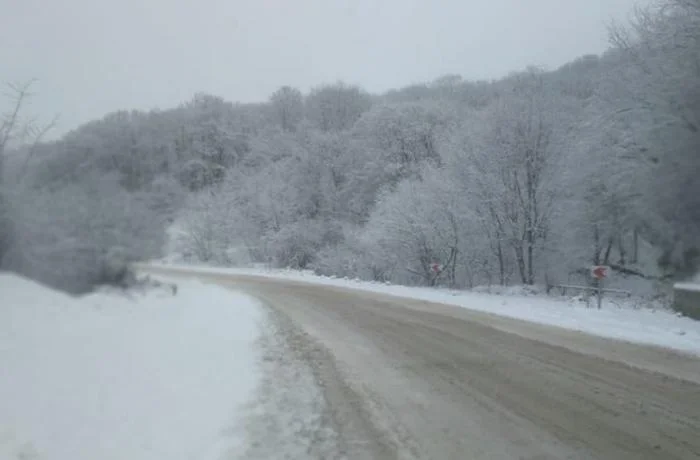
[(95, 56)]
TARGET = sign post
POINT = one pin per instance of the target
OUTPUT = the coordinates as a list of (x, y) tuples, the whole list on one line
[(600, 272), (436, 268)]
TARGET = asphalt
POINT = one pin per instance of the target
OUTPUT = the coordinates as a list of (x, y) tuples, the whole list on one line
[(410, 379)]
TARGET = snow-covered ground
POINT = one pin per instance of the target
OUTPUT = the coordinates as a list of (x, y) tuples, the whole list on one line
[(106, 376), (618, 319), (688, 286)]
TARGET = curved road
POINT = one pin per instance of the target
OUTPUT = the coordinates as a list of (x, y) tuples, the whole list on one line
[(412, 379)]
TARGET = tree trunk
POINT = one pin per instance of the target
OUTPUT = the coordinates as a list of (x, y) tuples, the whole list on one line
[(5, 231), (501, 265), (635, 247), (496, 243), (520, 258), (596, 245), (606, 259), (531, 213), (530, 263), (453, 268), (621, 248)]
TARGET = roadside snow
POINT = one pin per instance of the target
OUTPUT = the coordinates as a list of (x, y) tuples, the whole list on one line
[(106, 376), (618, 319), (688, 286)]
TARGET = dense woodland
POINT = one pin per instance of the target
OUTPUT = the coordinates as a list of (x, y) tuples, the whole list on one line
[(529, 179)]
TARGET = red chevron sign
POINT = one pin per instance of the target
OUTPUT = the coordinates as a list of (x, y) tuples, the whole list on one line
[(600, 271)]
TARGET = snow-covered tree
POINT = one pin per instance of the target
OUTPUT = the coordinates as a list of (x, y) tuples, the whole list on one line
[(403, 136), (425, 222), (336, 107), (511, 165), (660, 53), (287, 107)]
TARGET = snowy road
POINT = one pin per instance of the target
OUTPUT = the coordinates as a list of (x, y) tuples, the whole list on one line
[(412, 379)]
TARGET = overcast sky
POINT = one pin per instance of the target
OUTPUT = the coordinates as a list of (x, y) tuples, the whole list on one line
[(96, 56)]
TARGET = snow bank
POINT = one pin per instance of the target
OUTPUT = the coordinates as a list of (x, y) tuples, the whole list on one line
[(619, 319), (106, 376), (695, 287)]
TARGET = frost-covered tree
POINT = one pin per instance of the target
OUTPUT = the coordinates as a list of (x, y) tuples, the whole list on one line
[(403, 136), (660, 52), (426, 221), (511, 163), (287, 107), (336, 107), (606, 203)]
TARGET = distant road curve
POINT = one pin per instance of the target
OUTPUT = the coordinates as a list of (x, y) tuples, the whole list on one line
[(412, 379)]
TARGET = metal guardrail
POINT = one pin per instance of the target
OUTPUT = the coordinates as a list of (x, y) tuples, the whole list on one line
[(591, 288), (564, 287), (597, 290)]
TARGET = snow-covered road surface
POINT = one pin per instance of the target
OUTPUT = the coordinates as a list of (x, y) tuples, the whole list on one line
[(147, 377), (621, 319), (412, 379)]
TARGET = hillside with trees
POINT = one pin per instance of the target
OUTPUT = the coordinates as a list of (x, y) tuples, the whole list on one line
[(529, 179)]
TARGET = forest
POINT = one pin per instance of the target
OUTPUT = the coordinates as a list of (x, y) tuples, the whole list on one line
[(528, 179)]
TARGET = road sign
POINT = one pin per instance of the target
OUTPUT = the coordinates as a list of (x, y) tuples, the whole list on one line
[(600, 271), (436, 267)]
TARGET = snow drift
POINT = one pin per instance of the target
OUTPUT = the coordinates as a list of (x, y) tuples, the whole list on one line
[(106, 376)]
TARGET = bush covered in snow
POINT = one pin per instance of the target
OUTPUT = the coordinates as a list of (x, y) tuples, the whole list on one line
[(78, 236)]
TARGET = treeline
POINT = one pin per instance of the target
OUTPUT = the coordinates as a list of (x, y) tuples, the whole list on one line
[(528, 179)]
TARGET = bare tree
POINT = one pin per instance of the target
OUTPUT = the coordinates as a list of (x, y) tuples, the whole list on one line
[(15, 130)]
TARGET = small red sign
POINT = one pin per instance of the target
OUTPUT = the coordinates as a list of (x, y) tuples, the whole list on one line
[(600, 272)]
